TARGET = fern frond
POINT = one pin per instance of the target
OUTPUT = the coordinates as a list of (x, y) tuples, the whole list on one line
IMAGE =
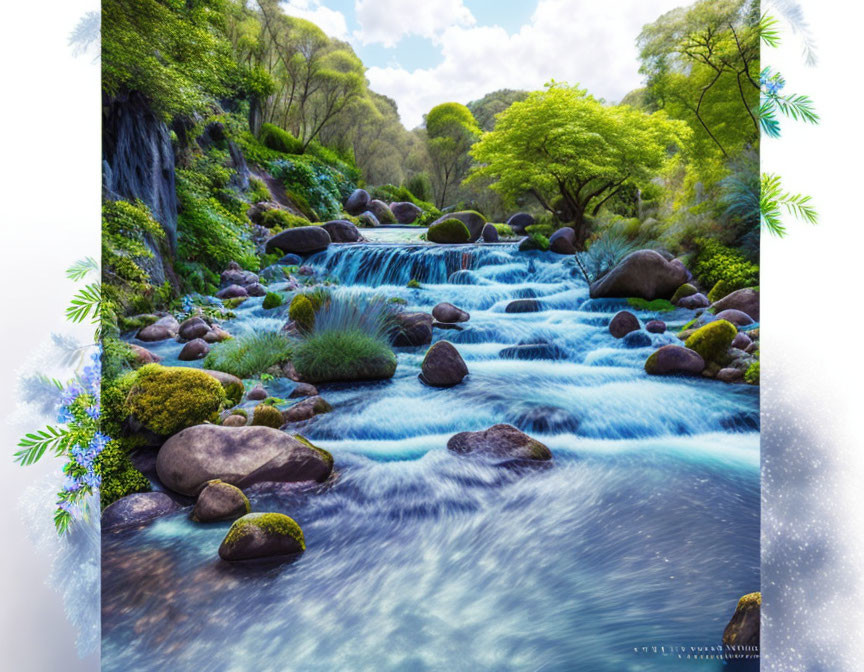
[(768, 30), (35, 444), (82, 268), (85, 302)]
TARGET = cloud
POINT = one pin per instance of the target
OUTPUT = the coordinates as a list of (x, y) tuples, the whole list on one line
[(578, 41), (333, 23), (386, 22)]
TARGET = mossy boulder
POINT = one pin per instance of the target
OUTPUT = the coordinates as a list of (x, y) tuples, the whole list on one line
[(674, 360), (684, 290), (325, 455), (233, 386), (266, 415), (713, 340), (262, 535), (167, 399), (272, 300), (302, 312), (743, 627), (448, 232), (722, 289), (220, 501), (499, 442)]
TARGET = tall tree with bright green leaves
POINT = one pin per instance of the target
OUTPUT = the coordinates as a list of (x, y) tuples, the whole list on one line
[(572, 152), (451, 130)]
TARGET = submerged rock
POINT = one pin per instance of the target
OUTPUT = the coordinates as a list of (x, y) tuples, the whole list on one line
[(636, 339), (623, 323), (449, 314), (220, 501), (499, 441), (644, 274), (743, 627), (674, 359), (443, 366), (532, 351), (137, 509), (240, 456), (523, 306), (545, 419), (262, 535)]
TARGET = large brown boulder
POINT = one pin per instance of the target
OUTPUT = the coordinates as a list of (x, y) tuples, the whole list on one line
[(743, 628), (240, 456), (412, 329), (143, 355), (308, 408), (300, 240), (499, 441), (645, 274), (194, 327), (195, 349), (342, 231), (405, 212), (443, 366), (473, 221), (262, 535), (220, 501), (563, 241), (519, 221), (674, 359), (745, 300)]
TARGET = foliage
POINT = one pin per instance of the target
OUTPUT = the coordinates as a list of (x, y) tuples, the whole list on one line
[(535, 241), (751, 375), (280, 140), (258, 191), (168, 399), (504, 231), (655, 306), (272, 300), (420, 187), (119, 475), (772, 198), (571, 152), (278, 220), (249, 354), (448, 231), (349, 341), (322, 187), (795, 106), (266, 415), (451, 130), (487, 108), (414, 283), (604, 253), (715, 261)]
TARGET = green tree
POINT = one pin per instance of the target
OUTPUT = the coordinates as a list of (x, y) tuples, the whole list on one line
[(572, 153), (492, 104), (451, 130)]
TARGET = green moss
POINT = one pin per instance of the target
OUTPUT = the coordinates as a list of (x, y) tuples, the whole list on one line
[(302, 312), (241, 412), (135, 322), (715, 261), (544, 230), (233, 392), (689, 324), (504, 231), (266, 415), (534, 241), (751, 375), (721, 289), (230, 304), (168, 399), (450, 231), (258, 191), (398, 300), (713, 340), (655, 306), (119, 476), (684, 290), (414, 284), (279, 140), (279, 220), (273, 523), (323, 453), (749, 601), (272, 300)]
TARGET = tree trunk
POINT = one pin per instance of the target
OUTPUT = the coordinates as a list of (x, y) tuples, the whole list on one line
[(255, 116)]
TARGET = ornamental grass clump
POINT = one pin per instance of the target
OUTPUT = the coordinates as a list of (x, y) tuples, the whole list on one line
[(250, 354)]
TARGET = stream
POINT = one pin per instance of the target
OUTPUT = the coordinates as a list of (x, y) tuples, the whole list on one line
[(643, 532)]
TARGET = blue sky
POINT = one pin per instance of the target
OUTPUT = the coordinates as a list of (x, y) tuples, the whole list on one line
[(425, 52)]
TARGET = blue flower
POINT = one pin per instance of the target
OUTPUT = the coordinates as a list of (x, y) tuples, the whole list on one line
[(64, 415), (71, 484), (70, 393), (68, 507), (92, 479), (93, 412)]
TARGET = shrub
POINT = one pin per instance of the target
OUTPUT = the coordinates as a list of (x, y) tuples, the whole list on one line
[(535, 241), (313, 185), (349, 341), (258, 191), (281, 219), (266, 415), (751, 375), (272, 300), (504, 231), (450, 231), (168, 399), (250, 354), (713, 340), (605, 252), (715, 261), (279, 140), (420, 187), (545, 230), (119, 476)]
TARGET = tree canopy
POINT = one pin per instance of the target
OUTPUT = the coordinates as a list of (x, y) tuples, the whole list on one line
[(451, 130), (572, 152)]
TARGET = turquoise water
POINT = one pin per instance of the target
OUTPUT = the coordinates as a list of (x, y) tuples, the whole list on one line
[(644, 531)]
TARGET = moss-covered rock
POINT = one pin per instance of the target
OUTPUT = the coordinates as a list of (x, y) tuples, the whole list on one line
[(326, 455), (450, 231), (167, 399), (272, 300), (302, 312), (713, 340), (233, 386), (262, 535), (220, 501), (721, 289), (743, 627), (266, 415), (684, 290)]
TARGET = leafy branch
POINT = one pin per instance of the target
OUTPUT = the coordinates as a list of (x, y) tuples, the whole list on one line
[(82, 268), (86, 303), (35, 444), (773, 200)]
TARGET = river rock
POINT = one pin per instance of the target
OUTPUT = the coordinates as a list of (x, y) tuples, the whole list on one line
[(519, 221), (220, 501), (405, 212), (232, 292), (730, 375), (303, 390), (745, 300), (532, 351), (235, 275), (301, 240), (636, 339), (196, 349), (490, 233), (450, 314), (381, 211), (684, 290), (412, 329), (674, 359), (257, 393), (545, 419), (136, 509), (741, 341), (523, 306), (499, 441), (743, 627), (256, 289), (623, 323), (306, 409), (290, 260), (163, 328), (234, 420), (472, 221), (342, 231), (693, 301), (563, 241), (443, 366), (655, 327), (645, 274), (736, 317), (194, 327), (368, 219), (216, 335), (143, 355), (262, 535), (240, 456), (357, 202)]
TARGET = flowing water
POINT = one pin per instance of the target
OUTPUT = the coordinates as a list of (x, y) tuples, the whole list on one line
[(644, 532)]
